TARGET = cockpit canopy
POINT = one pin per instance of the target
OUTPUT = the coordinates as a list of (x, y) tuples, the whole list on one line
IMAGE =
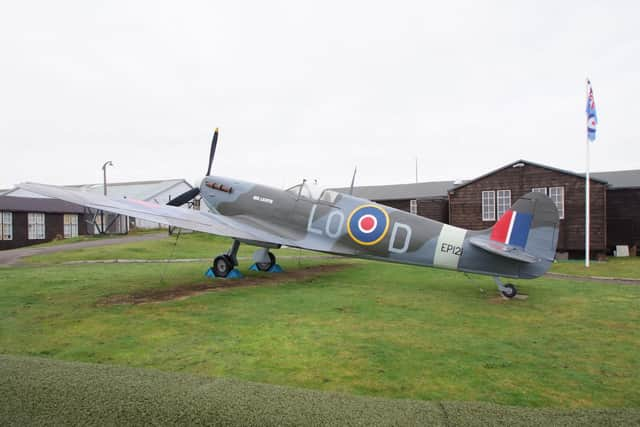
[(313, 192)]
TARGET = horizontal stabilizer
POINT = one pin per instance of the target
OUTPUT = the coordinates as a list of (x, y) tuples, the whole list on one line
[(502, 249)]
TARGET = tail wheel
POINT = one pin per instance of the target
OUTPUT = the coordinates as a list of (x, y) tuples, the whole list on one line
[(222, 266), (509, 291), (266, 266)]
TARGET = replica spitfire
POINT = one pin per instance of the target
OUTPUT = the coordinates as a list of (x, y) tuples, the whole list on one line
[(521, 244)]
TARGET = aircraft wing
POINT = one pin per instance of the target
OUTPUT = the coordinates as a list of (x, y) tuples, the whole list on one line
[(504, 250), (163, 214)]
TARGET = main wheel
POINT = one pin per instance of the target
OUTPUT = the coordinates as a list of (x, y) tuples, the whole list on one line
[(509, 291), (222, 265), (266, 266)]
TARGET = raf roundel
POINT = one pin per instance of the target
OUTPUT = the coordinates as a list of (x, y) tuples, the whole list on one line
[(368, 224)]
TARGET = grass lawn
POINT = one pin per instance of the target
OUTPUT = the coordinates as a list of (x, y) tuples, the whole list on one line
[(187, 245), (94, 237), (628, 267), (371, 329)]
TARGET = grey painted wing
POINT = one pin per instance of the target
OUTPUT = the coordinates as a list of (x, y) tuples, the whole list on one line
[(162, 214)]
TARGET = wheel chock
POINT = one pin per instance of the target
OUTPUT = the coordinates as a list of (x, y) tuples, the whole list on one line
[(233, 274), (275, 268)]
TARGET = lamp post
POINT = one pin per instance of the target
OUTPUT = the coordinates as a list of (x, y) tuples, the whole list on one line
[(104, 186)]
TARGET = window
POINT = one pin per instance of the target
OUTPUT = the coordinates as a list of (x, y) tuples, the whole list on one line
[(557, 195), (6, 226), (488, 206), (70, 226), (36, 226), (542, 190), (413, 206), (504, 201)]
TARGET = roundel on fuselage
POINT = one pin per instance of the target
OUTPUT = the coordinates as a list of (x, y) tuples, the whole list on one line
[(368, 224)]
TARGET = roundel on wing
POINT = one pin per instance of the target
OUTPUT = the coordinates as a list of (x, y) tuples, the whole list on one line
[(368, 224)]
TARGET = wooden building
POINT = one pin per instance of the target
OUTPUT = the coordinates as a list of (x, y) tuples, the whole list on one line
[(27, 221), (478, 203), (623, 207)]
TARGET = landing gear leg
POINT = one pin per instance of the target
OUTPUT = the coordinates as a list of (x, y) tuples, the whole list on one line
[(224, 264), (508, 290)]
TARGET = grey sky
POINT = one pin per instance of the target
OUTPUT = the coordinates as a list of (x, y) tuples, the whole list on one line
[(310, 89)]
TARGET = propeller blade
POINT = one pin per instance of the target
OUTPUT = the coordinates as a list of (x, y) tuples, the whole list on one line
[(184, 197), (214, 143)]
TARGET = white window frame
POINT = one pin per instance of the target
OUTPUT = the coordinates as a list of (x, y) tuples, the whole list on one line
[(36, 226), (503, 202), (6, 225), (488, 205), (70, 225), (557, 195), (413, 206), (542, 190)]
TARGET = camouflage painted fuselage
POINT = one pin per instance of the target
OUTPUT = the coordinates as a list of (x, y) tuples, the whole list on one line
[(341, 224)]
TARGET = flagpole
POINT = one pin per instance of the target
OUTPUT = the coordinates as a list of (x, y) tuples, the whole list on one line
[(587, 200), (586, 213)]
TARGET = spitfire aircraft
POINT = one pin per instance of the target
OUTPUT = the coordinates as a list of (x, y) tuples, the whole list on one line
[(521, 244)]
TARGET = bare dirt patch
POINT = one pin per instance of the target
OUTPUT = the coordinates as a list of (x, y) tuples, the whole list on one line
[(501, 299), (180, 292)]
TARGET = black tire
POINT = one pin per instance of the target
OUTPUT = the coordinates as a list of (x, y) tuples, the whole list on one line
[(509, 291), (222, 266), (266, 266)]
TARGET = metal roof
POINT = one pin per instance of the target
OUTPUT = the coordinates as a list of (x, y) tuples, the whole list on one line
[(29, 204), (620, 179), (141, 190), (420, 190)]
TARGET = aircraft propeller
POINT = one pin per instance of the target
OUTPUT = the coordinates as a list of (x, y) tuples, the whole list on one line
[(188, 195)]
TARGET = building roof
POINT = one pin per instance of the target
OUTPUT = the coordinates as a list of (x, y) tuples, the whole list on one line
[(525, 162), (420, 190), (620, 179), (31, 204), (141, 190), (436, 189)]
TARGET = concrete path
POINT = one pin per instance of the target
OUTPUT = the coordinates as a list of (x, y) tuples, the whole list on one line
[(13, 256)]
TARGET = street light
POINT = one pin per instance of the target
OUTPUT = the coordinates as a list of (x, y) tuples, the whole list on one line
[(104, 174), (104, 186)]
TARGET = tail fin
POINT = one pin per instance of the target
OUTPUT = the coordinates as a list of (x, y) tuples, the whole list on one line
[(528, 232), (531, 225)]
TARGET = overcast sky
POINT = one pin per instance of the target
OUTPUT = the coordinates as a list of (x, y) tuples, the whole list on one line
[(311, 89)]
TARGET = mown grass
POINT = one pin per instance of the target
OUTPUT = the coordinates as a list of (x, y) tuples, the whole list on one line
[(628, 267), (187, 245), (39, 391), (373, 329)]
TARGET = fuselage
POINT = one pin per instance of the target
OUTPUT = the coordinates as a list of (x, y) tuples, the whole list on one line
[(341, 224)]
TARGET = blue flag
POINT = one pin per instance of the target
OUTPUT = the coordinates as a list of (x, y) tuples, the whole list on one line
[(592, 116)]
